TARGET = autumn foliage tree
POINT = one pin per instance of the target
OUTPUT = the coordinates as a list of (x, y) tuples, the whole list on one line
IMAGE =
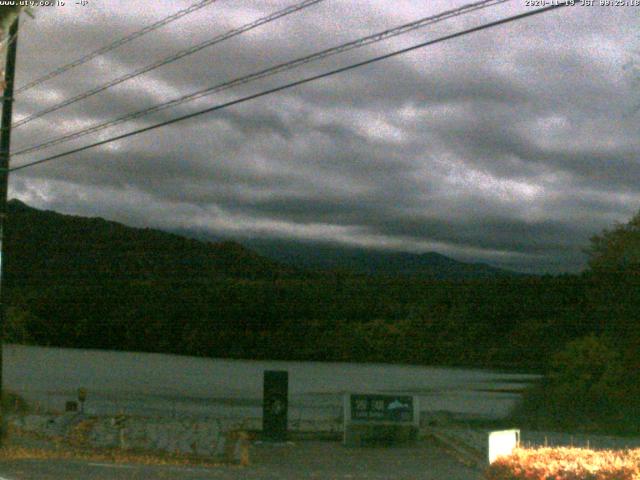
[(8, 14), (614, 268), (594, 381), (617, 251)]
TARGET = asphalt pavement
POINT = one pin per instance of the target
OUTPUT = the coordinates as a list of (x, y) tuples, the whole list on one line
[(289, 461)]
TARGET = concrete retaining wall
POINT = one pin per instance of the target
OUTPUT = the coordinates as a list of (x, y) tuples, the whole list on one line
[(201, 437)]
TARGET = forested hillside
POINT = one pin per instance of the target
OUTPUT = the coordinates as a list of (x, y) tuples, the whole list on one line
[(79, 282)]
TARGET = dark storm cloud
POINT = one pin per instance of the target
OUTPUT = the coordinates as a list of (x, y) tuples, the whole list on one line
[(512, 146)]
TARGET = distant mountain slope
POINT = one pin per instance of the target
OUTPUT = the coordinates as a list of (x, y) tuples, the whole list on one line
[(316, 256), (45, 244)]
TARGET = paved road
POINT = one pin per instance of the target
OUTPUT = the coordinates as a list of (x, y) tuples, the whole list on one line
[(299, 461)]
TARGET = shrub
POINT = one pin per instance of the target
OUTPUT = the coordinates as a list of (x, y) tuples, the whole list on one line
[(588, 388), (566, 464), (13, 403)]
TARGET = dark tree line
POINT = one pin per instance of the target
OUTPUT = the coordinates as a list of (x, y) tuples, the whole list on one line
[(89, 283)]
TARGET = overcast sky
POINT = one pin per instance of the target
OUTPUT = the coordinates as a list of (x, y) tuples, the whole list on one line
[(510, 146)]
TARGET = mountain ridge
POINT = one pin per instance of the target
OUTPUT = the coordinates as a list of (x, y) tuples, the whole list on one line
[(42, 244), (93, 245), (319, 256)]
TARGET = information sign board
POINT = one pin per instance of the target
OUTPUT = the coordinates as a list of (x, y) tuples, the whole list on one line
[(386, 408)]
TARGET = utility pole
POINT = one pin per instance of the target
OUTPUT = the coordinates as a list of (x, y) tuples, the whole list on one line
[(5, 145)]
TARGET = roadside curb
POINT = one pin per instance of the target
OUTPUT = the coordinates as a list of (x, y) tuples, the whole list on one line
[(464, 452)]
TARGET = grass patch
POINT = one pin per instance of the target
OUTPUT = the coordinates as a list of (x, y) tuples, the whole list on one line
[(17, 452)]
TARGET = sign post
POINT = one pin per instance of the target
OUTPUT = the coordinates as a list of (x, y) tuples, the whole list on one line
[(380, 419), (275, 405), (82, 396)]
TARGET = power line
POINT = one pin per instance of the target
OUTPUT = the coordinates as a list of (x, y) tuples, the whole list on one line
[(368, 40), (172, 58), (118, 43), (296, 83), (271, 71)]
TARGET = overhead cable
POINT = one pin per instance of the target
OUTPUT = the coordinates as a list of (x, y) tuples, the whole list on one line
[(172, 58), (118, 43), (361, 42), (296, 83)]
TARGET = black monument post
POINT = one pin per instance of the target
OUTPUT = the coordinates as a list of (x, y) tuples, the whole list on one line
[(275, 405)]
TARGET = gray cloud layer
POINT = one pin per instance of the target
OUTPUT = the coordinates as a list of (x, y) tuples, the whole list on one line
[(512, 146)]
